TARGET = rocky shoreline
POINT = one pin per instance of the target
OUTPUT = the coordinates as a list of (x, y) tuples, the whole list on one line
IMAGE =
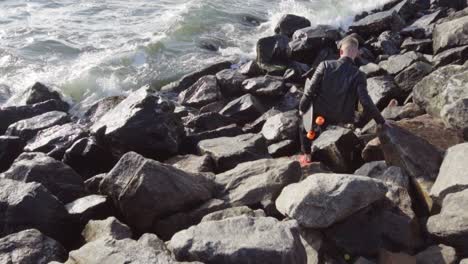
[(204, 170)]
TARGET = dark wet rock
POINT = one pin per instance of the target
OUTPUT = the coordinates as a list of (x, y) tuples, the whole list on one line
[(98, 109), (343, 194), (418, 45), (185, 111), (372, 151), (13, 114), (439, 254), (192, 163), (289, 23), (397, 63), (233, 212), (26, 129), (244, 109), (107, 228), (376, 23), (251, 69), (423, 26), (191, 141), (10, 149), (290, 101), (145, 190), (230, 82), (201, 93), (227, 152), (206, 122), (265, 86), (382, 89), (188, 80), (372, 70), (39, 93), (457, 4), (451, 56), (252, 240), (144, 123), (54, 141), (297, 71), (451, 34), (92, 207), (283, 148), (30, 247), (257, 125), (410, 76), (408, 9), (92, 184), (281, 127), (387, 43), (273, 51), (213, 107), (372, 169), (395, 112)]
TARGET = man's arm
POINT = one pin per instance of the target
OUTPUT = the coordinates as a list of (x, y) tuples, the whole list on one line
[(309, 91), (366, 100)]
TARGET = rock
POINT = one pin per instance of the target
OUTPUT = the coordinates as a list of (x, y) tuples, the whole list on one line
[(92, 207), (145, 190), (387, 257), (257, 125), (418, 45), (289, 23), (307, 42), (192, 163), (449, 227), (250, 69), (372, 151), (451, 56), (337, 148), (273, 50), (213, 107), (453, 175), (230, 82), (395, 112), (440, 254), (201, 93), (30, 205), (407, 9), (243, 109), (26, 129), (343, 194), (38, 93), (206, 122), (464, 261), (10, 149), (387, 43), (257, 182), (362, 260), (92, 184), (55, 140), (227, 152), (87, 157), (372, 70), (191, 141), (143, 122), (280, 127), (378, 22), (450, 34), (397, 63), (410, 76), (188, 80), (233, 212), (265, 86), (154, 242), (456, 115), (382, 89), (252, 240), (372, 169), (30, 247), (283, 148), (13, 114), (313, 244), (423, 26), (99, 109), (108, 228), (58, 178)]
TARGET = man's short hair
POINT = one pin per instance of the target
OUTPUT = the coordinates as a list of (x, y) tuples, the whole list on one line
[(349, 42)]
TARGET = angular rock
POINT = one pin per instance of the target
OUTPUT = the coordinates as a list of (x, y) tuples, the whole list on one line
[(10, 149), (457, 4), (107, 228), (92, 184), (387, 43), (145, 190), (227, 152), (423, 26), (58, 178), (250, 69), (372, 169), (281, 127), (265, 86), (99, 109), (92, 207), (191, 141), (451, 56), (273, 50), (418, 45), (456, 115), (396, 112), (342, 194), (192, 163), (252, 240), (382, 89), (26, 129), (257, 125), (38, 93), (397, 63), (144, 123), (377, 23), (407, 9), (233, 212), (451, 34), (439, 254), (213, 107), (283, 148), (372, 151), (244, 109), (410, 76), (289, 23), (206, 122), (230, 82), (372, 70), (30, 247), (201, 93)]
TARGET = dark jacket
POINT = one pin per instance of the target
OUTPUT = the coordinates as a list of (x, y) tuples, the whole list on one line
[(335, 89)]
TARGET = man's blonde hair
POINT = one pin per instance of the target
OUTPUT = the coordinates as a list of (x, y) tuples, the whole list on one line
[(349, 42)]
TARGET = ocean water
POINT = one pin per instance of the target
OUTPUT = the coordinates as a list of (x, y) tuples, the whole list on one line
[(90, 49)]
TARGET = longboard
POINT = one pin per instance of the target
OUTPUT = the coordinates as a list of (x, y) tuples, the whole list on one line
[(308, 119)]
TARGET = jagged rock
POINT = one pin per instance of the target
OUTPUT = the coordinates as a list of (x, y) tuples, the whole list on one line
[(382, 89), (456, 115), (213, 107), (252, 240), (281, 127), (378, 22), (457, 4), (206, 122), (10, 149), (289, 23), (372, 70), (410, 76), (257, 182), (450, 34), (201, 93), (372, 151), (233, 212), (250, 69), (372, 169), (13, 114), (423, 26), (30, 205), (418, 45), (107, 228), (191, 141), (451, 56), (337, 148), (283, 148), (99, 109), (439, 254), (307, 42), (452, 14), (230, 82), (227, 152), (397, 63), (396, 112), (407, 9), (154, 242), (273, 51), (343, 195), (58, 178), (192, 163), (265, 86), (387, 43), (296, 71), (188, 80), (38, 93), (449, 227), (26, 129), (312, 169), (92, 207), (244, 109), (30, 247), (143, 122), (257, 125), (92, 184)]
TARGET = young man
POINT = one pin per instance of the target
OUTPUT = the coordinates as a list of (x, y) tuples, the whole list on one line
[(334, 91)]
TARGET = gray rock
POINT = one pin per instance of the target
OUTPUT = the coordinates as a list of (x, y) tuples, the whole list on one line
[(410, 76), (201, 93), (145, 190), (382, 89), (395, 112), (342, 194), (265, 86), (372, 169), (233, 212), (30, 247), (376, 23), (423, 26), (283, 148), (397, 63), (280, 127), (108, 228), (313, 244), (28, 128), (10, 149), (407, 9), (372, 70), (91, 207), (418, 45), (230, 82), (387, 43), (457, 4), (227, 152), (99, 109), (61, 180), (464, 261), (244, 109), (439, 254), (192, 163), (250, 69), (205, 122), (456, 114), (273, 50), (38, 93), (191, 141), (451, 56), (257, 125), (450, 34), (289, 23), (251, 240), (372, 151), (154, 241), (92, 184)]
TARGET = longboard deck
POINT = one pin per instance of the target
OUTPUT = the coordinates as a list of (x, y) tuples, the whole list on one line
[(308, 119)]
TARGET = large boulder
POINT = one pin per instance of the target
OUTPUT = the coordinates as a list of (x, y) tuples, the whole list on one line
[(28, 128), (376, 23), (58, 178), (91, 207), (98, 109), (244, 109), (342, 194), (10, 149), (281, 127), (205, 122), (145, 190), (145, 123), (201, 93), (30, 247), (233, 212), (423, 26), (451, 34), (250, 240), (407, 9), (397, 63), (382, 89), (395, 112), (387, 43), (227, 152), (273, 53), (418, 45), (257, 125), (37, 93), (289, 23), (109, 227), (265, 86), (230, 82), (192, 163), (191, 141), (451, 56), (410, 76), (439, 254)]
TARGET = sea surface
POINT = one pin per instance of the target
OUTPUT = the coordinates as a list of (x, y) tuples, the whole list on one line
[(90, 49)]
